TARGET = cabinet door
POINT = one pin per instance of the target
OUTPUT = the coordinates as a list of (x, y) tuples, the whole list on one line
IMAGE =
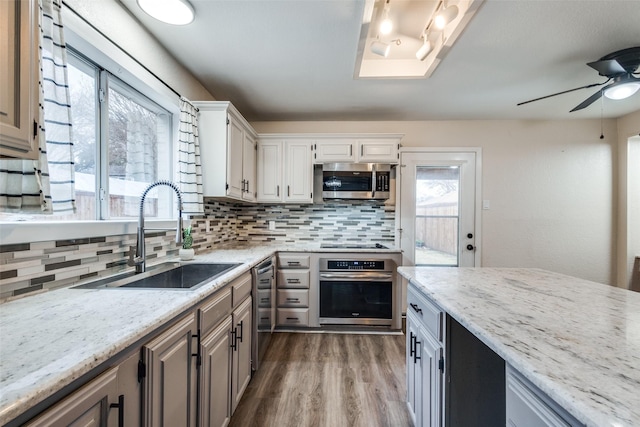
[(414, 371), (431, 399), (18, 78), (298, 172), (170, 384), (249, 167), (335, 150), (235, 141), (269, 171), (241, 365), (88, 406), (378, 151), (215, 391)]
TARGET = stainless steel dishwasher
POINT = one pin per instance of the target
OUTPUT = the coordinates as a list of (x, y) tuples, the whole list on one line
[(264, 309)]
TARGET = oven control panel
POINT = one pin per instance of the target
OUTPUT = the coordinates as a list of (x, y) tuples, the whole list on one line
[(355, 265)]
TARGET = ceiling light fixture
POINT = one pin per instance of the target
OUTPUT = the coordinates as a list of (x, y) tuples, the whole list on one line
[(445, 16), (622, 90), (175, 12), (424, 50), (380, 48), (386, 25)]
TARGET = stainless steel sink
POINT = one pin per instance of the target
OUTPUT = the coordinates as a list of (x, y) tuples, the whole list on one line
[(163, 276)]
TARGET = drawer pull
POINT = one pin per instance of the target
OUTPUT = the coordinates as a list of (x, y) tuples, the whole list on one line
[(295, 319), (416, 308), (293, 299), (293, 280), (293, 262)]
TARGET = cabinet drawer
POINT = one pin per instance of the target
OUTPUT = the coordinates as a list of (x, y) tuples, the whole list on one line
[(293, 261), (293, 298), (211, 312), (293, 279), (264, 318), (241, 288), (429, 314), (293, 316), (264, 297)]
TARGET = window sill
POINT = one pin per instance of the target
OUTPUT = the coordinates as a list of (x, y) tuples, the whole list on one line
[(30, 232)]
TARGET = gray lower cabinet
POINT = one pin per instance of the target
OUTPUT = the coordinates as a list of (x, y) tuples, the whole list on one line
[(527, 406), (216, 376), (241, 356), (88, 406), (425, 362), (170, 386)]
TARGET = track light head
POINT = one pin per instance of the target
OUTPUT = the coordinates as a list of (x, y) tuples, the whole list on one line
[(445, 16)]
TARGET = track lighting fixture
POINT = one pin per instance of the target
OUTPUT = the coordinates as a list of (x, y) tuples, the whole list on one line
[(445, 16), (424, 50), (380, 48), (386, 25)]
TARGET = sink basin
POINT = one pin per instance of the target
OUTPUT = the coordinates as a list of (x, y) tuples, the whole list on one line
[(163, 276)]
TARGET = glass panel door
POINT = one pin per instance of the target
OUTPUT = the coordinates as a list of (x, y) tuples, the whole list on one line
[(437, 215)]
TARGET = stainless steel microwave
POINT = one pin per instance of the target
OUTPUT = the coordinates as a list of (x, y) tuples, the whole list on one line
[(355, 181)]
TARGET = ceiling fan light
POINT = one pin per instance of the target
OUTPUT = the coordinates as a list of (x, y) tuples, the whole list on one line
[(424, 50), (380, 48), (445, 16), (622, 91), (175, 12)]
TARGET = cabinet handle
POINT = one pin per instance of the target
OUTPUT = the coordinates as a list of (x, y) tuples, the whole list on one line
[(248, 190), (416, 308), (293, 299), (241, 328), (293, 280), (197, 355), (415, 351), (288, 191), (233, 344), (277, 191), (295, 319), (361, 150), (293, 263), (350, 150), (120, 406), (411, 347)]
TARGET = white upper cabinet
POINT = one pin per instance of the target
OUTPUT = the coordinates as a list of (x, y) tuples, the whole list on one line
[(18, 79), (228, 152), (285, 170), (356, 148)]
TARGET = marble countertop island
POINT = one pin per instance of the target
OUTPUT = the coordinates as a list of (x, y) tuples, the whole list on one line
[(576, 340), (51, 339)]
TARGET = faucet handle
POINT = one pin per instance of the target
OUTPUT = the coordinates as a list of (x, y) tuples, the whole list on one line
[(133, 260)]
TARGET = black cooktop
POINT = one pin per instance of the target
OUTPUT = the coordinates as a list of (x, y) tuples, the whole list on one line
[(352, 246)]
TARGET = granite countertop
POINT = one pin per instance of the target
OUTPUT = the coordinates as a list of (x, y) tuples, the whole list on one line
[(578, 341), (49, 340)]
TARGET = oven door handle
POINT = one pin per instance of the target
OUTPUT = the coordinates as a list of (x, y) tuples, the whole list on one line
[(357, 276)]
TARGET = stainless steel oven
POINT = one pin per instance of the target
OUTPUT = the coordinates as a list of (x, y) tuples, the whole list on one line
[(356, 292)]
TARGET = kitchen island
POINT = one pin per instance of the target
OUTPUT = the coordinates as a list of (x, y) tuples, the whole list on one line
[(576, 341), (53, 341)]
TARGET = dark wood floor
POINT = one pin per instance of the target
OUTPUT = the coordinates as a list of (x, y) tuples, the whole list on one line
[(328, 380)]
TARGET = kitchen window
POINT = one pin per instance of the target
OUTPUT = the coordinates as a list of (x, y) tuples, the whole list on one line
[(122, 143)]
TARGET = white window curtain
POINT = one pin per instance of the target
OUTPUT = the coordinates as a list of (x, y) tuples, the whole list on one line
[(189, 166), (46, 185)]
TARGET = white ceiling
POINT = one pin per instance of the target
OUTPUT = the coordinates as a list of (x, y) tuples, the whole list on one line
[(295, 60)]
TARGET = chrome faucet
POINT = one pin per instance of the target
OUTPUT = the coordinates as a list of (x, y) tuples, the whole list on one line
[(139, 260)]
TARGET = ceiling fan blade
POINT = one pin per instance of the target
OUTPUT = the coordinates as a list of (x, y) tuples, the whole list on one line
[(607, 67), (590, 100), (563, 92)]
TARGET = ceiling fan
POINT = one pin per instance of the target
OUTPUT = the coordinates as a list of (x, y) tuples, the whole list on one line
[(620, 70)]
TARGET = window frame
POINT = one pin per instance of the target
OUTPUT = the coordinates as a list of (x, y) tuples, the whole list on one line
[(98, 50)]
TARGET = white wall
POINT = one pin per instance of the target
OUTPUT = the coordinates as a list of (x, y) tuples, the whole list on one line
[(550, 184)]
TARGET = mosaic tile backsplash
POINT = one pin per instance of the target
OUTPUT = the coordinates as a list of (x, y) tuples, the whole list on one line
[(31, 267)]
